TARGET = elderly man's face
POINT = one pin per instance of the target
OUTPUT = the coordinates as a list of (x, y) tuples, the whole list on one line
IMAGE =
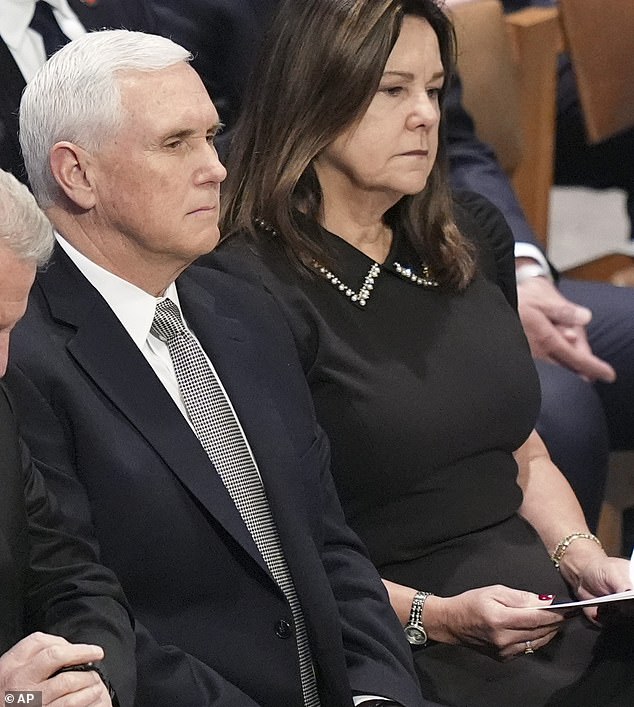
[(16, 278), (158, 181)]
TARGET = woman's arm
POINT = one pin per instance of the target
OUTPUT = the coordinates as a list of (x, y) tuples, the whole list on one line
[(551, 507), (497, 620)]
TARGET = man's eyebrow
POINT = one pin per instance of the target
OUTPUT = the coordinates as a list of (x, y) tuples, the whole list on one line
[(178, 134), (190, 132)]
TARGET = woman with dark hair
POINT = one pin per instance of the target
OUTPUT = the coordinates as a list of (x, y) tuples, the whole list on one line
[(401, 300)]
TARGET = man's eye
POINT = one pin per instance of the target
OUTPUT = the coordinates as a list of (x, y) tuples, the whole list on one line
[(173, 144)]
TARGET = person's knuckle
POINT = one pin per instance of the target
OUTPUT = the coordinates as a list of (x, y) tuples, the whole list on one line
[(67, 682), (54, 653)]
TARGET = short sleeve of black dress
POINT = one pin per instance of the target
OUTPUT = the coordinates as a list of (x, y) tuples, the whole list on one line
[(484, 224)]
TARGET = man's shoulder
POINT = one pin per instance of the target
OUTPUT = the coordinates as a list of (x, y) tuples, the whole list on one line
[(237, 295), (226, 288)]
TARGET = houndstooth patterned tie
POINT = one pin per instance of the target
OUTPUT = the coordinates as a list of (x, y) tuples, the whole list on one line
[(221, 436)]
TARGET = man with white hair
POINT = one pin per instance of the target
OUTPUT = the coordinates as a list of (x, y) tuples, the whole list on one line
[(49, 579), (166, 405)]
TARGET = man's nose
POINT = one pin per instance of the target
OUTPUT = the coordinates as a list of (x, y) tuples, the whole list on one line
[(213, 170)]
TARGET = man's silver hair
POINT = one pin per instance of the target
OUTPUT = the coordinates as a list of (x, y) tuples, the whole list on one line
[(24, 228), (76, 96)]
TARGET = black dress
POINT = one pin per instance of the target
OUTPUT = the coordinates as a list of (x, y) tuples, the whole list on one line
[(425, 394)]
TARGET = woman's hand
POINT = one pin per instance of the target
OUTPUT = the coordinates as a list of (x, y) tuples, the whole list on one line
[(604, 575), (495, 619)]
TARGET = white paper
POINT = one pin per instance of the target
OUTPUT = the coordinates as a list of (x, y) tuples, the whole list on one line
[(608, 598)]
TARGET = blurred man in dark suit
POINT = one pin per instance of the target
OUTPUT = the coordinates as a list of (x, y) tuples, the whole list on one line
[(49, 579)]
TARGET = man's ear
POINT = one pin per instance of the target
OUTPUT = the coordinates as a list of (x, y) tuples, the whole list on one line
[(70, 165)]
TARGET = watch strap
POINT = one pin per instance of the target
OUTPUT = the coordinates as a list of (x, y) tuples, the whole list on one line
[(416, 612)]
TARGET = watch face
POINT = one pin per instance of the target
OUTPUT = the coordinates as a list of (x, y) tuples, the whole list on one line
[(415, 635)]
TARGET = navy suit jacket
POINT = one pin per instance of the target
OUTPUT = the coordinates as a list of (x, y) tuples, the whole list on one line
[(49, 579), (110, 14), (121, 456)]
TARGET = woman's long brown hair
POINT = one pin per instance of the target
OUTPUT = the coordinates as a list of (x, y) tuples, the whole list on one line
[(320, 67)]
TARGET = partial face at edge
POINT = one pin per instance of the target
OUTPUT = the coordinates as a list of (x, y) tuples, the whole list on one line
[(16, 278)]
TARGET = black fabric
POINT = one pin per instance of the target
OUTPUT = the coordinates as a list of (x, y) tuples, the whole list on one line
[(50, 579), (45, 24), (124, 461), (579, 421), (224, 37), (425, 395)]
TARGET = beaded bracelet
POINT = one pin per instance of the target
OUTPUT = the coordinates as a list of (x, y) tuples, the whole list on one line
[(560, 550)]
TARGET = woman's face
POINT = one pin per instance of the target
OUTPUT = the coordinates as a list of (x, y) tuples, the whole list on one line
[(392, 150)]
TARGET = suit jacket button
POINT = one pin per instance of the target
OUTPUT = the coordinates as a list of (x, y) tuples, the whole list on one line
[(283, 629)]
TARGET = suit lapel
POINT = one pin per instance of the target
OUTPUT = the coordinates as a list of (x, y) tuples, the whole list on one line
[(235, 357), (105, 352)]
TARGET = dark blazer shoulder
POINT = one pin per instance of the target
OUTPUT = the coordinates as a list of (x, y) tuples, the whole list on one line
[(13, 536), (115, 14)]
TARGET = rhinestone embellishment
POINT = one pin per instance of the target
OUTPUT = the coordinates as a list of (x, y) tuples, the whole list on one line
[(360, 297), (425, 280)]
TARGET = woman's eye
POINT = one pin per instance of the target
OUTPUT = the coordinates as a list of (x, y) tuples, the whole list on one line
[(393, 90)]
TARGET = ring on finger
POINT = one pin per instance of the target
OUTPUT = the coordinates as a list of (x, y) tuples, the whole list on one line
[(529, 650)]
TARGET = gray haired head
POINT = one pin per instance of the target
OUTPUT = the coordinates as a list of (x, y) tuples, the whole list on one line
[(76, 96), (24, 228)]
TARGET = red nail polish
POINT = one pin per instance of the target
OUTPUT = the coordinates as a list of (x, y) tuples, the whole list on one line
[(546, 597)]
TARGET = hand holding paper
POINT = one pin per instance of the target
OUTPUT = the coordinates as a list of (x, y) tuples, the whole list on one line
[(612, 573)]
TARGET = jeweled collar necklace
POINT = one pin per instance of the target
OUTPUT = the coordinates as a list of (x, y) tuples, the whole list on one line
[(360, 298)]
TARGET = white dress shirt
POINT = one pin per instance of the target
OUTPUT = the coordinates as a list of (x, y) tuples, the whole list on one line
[(135, 308), (26, 45)]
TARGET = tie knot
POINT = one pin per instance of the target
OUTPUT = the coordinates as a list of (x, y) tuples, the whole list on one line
[(167, 323)]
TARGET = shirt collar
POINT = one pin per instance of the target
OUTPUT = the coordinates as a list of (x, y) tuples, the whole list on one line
[(16, 15), (132, 306)]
